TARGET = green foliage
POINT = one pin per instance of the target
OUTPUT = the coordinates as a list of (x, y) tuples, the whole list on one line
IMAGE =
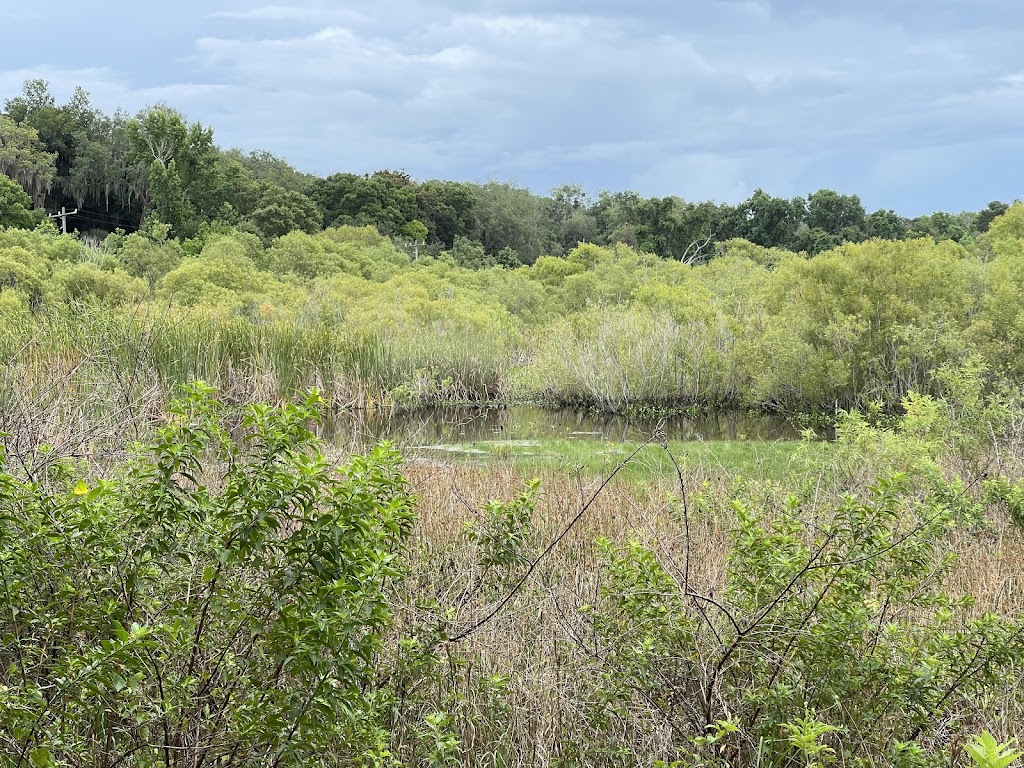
[(442, 746), (831, 620), (415, 230), (179, 162), (508, 216), (680, 336), (386, 201), (469, 254), (89, 282), (505, 531), (272, 212), (221, 274), (24, 159), (446, 208), (264, 166), (219, 598), (16, 206), (986, 752), (23, 271), (805, 734), (147, 254)]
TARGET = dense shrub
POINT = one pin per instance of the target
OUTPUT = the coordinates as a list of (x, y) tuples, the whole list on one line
[(606, 326), (223, 597)]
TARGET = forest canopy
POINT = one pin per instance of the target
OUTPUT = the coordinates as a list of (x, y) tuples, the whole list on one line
[(121, 170)]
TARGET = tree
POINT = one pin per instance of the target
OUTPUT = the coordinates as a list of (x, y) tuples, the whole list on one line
[(416, 230), (580, 227), (984, 219), (272, 211), (35, 97), (512, 217), (103, 182), (700, 227), (618, 216), (89, 151), (772, 221), (265, 166), (660, 227), (24, 159), (943, 226), (447, 210), (382, 200), (16, 206), (836, 214), (566, 200), (179, 159), (469, 253), (887, 225), (63, 129)]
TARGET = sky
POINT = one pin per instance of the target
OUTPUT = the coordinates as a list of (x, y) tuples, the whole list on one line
[(915, 105)]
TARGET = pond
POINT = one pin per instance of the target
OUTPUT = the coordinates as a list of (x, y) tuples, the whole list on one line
[(725, 444), (436, 427)]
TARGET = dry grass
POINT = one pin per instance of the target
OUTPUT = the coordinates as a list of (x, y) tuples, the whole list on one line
[(541, 640), (540, 643)]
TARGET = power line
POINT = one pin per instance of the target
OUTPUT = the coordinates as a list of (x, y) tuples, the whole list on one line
[(106, 221), (63, 216)]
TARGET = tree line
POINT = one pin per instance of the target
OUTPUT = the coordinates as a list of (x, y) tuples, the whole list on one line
[(121, 170)]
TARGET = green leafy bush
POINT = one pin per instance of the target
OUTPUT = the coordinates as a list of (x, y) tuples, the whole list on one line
[(831, 634), (222, 598)]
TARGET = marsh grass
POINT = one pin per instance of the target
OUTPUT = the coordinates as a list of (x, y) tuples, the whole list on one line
[(249, 358), (544, 712), (770, 460), (636, 357)]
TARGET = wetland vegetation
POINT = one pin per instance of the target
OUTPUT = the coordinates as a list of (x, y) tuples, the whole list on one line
[(563, 486)]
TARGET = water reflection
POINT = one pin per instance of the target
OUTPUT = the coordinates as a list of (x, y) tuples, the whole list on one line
[(439, 426)]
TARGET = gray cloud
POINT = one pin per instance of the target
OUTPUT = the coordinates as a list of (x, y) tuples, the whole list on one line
[(702, 99)]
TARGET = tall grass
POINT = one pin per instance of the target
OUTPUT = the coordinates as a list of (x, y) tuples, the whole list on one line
[(619, 358), (541, 645), (612, 359), (110, 357)]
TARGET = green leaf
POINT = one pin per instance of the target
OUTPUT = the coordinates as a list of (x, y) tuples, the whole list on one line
[(117, 682), (988, 753)]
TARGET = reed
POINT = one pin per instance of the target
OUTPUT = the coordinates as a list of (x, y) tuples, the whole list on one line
[(248, 358), (539, 644)]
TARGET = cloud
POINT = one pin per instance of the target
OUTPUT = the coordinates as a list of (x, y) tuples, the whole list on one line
[(299, 14), (711, 98)]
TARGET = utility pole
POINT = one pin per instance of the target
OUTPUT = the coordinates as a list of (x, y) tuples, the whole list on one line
[(415, 246), (63, 216)]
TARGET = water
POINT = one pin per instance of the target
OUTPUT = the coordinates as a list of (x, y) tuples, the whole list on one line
[(436, 427)]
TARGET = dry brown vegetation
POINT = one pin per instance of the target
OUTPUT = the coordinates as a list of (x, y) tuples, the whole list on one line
[(514, 658), (543, 641)]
